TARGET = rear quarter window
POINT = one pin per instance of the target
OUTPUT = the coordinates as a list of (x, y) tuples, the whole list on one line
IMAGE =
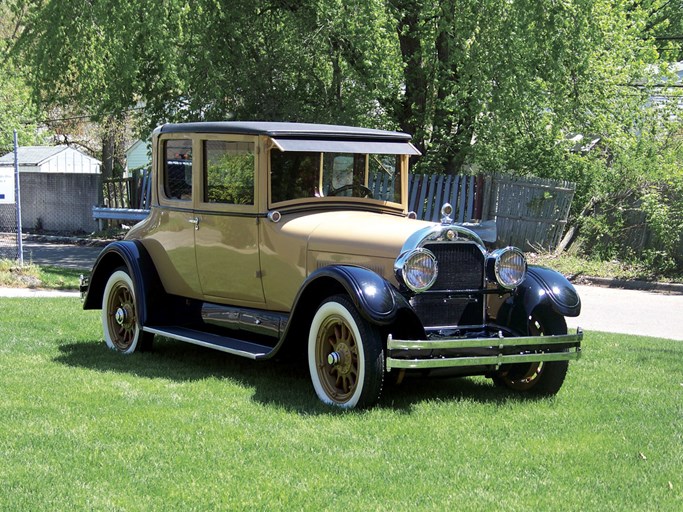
[(178, 169)]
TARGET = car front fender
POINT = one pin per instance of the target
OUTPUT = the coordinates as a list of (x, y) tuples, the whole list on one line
[(546, 286), (377, 300), (374, 297), (542, 288)]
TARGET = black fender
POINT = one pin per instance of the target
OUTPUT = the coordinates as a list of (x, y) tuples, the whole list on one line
[(377, 300), (148, 288), (542, 288)]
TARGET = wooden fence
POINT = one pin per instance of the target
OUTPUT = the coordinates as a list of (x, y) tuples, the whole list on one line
[(428, 193), (530, 213), (132, 192)]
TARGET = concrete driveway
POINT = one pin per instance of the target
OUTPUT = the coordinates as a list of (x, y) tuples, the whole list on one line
[(644, 313), (60, 254)]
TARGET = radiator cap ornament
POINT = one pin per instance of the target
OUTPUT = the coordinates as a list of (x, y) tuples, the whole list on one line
[(446, 211)]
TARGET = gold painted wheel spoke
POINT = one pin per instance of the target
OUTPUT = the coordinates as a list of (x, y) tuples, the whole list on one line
[(123, 333), (339, 379)]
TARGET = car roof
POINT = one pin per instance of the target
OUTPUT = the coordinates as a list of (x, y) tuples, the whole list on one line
[(285, 130)]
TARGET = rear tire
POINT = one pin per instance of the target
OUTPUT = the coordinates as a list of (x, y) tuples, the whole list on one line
[(543, 378), (120, 321), (345, 356)]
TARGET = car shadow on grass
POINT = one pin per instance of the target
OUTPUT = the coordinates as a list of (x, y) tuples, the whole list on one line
[(281, 384)]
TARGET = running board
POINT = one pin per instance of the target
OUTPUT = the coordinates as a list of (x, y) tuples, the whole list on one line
[(204, 339)]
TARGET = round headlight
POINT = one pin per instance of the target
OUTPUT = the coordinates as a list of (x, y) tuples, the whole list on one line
[(509, 267), (417, 269)]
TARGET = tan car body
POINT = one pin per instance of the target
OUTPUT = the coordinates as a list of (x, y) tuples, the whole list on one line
[(269, 238), (193, 243)]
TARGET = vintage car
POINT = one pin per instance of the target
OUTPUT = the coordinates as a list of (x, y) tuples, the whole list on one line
[(270, 239)]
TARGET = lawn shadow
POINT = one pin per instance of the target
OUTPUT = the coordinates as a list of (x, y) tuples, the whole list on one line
[(416, 390), (281, 384)]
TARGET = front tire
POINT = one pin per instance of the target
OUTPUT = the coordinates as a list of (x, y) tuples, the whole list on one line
[(120, 322), (542, 378), (345, 356)]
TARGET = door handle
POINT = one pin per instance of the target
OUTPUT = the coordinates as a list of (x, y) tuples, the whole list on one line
[(194, 221)]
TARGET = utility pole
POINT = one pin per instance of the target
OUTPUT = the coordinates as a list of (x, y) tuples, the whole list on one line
[(17, 199)]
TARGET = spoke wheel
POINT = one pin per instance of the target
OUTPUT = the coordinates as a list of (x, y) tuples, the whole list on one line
[(122, 331), (542, 378), (337, 358), (345, 355)]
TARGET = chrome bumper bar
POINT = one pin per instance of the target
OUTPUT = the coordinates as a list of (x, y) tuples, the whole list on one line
[(542, 347)]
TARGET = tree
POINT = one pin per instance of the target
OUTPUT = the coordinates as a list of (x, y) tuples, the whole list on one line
[(503, 86), (663, 23), (485, 76), (18, 111)]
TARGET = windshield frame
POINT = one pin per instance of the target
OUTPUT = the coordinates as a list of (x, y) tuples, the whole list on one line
[(321, 194)]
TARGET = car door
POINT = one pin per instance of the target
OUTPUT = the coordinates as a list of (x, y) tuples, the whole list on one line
[(170, 240), (226, 236)]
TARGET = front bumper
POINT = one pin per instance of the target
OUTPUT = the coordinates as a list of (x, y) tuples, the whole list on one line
[(490, 352)]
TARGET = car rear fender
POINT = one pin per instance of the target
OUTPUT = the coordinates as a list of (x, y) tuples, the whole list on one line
[(134, 257)]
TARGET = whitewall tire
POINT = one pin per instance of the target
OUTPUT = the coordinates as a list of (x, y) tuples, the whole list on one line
[(345, 355), (120, 322)]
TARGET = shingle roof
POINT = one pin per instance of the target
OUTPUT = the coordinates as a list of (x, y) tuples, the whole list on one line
[(32, 155)]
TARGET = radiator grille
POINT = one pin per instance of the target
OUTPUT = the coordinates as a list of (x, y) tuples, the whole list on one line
[(461, 266), (435, 311)]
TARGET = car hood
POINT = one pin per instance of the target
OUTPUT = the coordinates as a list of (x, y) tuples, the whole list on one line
[(360, 233)]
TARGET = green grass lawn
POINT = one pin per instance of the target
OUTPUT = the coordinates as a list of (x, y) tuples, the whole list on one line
[(34, 276), (186, 428)]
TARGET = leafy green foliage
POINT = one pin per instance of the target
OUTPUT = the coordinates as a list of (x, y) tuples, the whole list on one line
[(528, 87), (18, 111), (230, 179)]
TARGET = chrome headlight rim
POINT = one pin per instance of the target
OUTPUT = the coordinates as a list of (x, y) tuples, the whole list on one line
[(501, 264), (403, 270)]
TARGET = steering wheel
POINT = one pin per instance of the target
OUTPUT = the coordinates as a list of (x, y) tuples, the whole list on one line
[(366, 191)]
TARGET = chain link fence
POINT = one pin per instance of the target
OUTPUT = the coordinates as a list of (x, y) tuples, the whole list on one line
[(10, 219), (9, 226), (9, 247)]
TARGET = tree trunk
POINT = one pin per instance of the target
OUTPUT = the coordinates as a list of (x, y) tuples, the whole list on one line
[(411, 112), (108, 148)]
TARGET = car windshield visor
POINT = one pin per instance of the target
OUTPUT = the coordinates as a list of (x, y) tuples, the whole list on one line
[(346, 146)]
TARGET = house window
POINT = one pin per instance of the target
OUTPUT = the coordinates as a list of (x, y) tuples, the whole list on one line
[(229, 172), (178, 169)]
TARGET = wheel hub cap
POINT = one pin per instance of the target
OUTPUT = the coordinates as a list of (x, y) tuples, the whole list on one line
[(341, 359), (122, 315)]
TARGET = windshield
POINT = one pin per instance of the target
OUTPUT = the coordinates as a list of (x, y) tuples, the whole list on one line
[(298, 175)]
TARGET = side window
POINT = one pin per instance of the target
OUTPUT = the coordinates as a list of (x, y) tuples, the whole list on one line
[(229, 172), (294, 175), (178, 169), (384, 177)]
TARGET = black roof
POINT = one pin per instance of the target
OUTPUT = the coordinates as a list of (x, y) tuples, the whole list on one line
[(285, 130)]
